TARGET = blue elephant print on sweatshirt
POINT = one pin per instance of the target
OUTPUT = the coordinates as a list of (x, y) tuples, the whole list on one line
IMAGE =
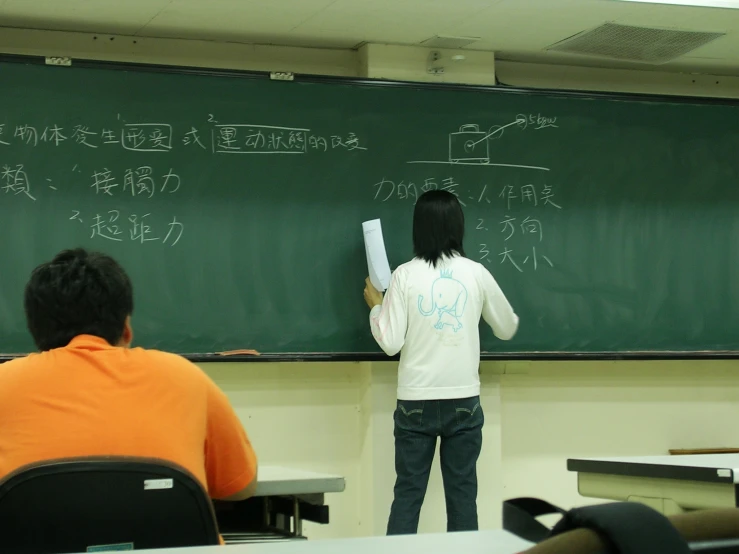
[(448, 299)]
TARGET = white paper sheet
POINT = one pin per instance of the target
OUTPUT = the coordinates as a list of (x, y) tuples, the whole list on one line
[(374, 246)]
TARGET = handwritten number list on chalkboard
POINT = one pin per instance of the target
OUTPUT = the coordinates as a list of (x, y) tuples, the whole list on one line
[(509, 210)]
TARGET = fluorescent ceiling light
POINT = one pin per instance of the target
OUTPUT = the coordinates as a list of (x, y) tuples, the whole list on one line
[(693, 3)]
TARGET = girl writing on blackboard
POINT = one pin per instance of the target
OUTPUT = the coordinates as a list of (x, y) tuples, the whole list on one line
[(430, 314)]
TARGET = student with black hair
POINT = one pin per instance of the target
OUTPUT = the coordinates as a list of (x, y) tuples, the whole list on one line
[(88, 393), (430, 314)]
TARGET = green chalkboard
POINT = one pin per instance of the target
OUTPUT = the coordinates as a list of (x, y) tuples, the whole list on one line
[(236, 205)]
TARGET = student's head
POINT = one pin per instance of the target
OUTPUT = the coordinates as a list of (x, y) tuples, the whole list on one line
[(79, 293), (438, 226)]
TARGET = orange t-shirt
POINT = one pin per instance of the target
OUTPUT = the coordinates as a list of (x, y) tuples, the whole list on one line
[(93, 399)]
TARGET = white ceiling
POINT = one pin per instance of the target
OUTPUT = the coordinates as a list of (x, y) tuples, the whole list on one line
[(514, 29)]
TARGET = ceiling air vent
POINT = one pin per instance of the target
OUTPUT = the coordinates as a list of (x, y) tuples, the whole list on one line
[(635, 44)]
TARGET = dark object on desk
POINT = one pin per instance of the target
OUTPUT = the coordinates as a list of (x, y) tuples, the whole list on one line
[(98, 504), (625, 527), (622, 528)]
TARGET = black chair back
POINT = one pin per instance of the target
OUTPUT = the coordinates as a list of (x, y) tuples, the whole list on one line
[(99, 504)]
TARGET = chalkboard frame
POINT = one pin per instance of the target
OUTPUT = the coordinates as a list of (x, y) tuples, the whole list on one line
[(500, 88)]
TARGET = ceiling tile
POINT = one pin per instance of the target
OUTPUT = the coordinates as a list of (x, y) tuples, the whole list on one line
[(236, 16), (698, 19), (102, 16), (399, 21)]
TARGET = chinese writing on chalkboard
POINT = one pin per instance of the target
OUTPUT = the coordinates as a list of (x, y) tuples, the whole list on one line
[(146, 180)]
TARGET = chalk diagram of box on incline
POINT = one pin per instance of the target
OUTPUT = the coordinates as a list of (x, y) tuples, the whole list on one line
[(470, 145)]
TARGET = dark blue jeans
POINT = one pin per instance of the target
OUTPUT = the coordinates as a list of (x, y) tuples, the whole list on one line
[(417, 425)]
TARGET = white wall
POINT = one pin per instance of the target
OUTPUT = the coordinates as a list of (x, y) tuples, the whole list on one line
[(305, 416), (337, 417), (552, 411)]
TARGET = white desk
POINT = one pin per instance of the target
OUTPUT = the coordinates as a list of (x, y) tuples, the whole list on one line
[(287, 497), (482, 542), (280, 481), (669, 484)]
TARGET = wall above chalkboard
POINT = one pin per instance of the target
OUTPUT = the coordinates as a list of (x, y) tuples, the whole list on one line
[(235, 202)]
